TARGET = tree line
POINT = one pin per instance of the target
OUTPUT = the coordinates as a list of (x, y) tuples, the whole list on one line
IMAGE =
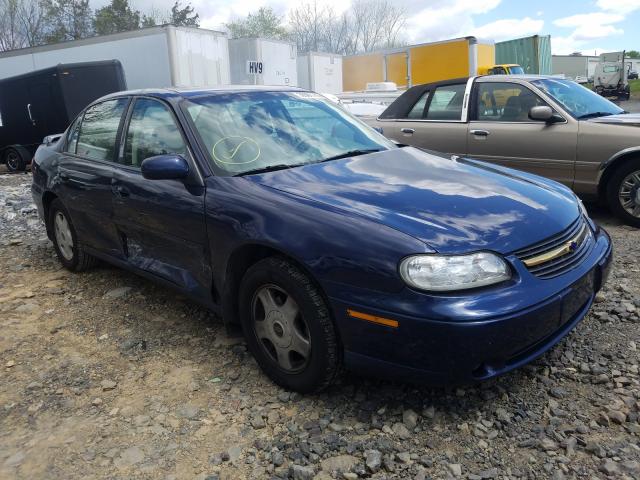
[(29, 23), (366, 26)]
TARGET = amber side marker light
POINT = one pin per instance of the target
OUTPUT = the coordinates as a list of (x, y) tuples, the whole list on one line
[(387, 322)]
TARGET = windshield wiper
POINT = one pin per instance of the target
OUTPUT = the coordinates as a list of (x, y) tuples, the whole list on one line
[(269, 168), (284, 166), (594, 115), (350, 153)]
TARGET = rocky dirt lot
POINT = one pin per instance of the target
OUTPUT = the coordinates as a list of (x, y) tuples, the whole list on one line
[(106, 375)]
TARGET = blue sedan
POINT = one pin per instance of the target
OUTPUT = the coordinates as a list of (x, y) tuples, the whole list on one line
[(329, 245)]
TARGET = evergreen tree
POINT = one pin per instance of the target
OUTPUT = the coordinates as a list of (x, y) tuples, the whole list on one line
[(116, 17)]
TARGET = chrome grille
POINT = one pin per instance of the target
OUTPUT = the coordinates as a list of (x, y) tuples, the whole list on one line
[(560, 253)]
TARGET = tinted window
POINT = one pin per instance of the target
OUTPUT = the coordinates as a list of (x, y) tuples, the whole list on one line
[(99, 130), (152, 131), (505, 102), (446, 103), (72, 136), (418, 109)]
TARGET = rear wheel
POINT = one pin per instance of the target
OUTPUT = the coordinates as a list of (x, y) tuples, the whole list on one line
[(623, 192), (15, 160), (288, 326), (65, 241)]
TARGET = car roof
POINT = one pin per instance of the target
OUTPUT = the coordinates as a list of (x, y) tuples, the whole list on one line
[(526, 77), (190, 92), (482, 78)]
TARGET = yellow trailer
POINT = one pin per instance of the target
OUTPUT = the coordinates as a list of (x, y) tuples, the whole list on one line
[(417, 64)]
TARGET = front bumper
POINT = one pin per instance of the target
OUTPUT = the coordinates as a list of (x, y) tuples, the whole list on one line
[(480, 343)]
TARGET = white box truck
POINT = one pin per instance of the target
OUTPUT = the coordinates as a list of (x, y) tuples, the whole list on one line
[(259, 61), (155, 57), (320, 72)]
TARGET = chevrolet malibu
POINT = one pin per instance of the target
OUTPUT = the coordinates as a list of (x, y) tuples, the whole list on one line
[(331, 246)]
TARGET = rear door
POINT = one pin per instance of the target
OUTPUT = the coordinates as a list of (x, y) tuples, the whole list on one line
[(500, 131), (161, 222), (434, 121), (85, 174)]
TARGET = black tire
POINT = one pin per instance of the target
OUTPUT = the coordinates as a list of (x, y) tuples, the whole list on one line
[(15, 160), (80, 260), (613, 189), (323, 363)]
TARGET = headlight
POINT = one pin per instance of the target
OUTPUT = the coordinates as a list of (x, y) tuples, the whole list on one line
[(458, 272)]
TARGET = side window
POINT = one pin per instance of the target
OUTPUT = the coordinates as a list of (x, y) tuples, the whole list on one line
[(72, 136), (152, 131), (446, 103), (505, 102), (418, 109), (98, 131)]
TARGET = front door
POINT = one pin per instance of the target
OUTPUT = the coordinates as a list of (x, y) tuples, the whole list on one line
[(500, 131), (86, 171), (161, 222)]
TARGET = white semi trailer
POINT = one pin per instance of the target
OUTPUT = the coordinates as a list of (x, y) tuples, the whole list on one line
[(155, 57), (261, 61), (320, 72)]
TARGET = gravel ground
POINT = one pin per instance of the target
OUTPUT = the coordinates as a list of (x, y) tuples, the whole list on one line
[(106, 375)]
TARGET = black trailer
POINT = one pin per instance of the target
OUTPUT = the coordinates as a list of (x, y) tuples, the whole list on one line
[(44, 102)]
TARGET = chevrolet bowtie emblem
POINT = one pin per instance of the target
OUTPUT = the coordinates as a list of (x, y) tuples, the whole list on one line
[(567, 247)]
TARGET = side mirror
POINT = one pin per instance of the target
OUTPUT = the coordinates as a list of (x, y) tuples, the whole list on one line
[(165, 167), (544, 113)]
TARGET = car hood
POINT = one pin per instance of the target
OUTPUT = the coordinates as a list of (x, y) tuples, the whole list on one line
[(452, 204), (620, 119)]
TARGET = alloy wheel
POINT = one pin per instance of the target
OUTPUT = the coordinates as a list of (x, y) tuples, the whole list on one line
[(280, 328), (62, 232), (629, 193), (13, 161)]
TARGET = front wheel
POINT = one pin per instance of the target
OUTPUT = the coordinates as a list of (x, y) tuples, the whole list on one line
[(65, 240), (623, 193), (288, 326)]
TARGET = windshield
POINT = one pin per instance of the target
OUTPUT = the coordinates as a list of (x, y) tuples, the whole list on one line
[(254, 131), (516, 70), (579, 101)]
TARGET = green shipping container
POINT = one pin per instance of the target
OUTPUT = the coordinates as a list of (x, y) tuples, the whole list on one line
[(533, 54)]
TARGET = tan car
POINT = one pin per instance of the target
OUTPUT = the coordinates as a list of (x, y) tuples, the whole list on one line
[(544, 125)]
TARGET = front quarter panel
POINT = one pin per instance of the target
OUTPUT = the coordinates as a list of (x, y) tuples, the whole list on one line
[(335, 247), (597, 143)]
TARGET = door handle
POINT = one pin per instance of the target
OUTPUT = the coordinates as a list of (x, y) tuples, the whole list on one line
[(479, 133), (30, 116), (407, 131), (120, 191)]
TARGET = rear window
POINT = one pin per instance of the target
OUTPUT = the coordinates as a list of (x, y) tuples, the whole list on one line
[(418, 109), (446, 103), (99, 130)]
